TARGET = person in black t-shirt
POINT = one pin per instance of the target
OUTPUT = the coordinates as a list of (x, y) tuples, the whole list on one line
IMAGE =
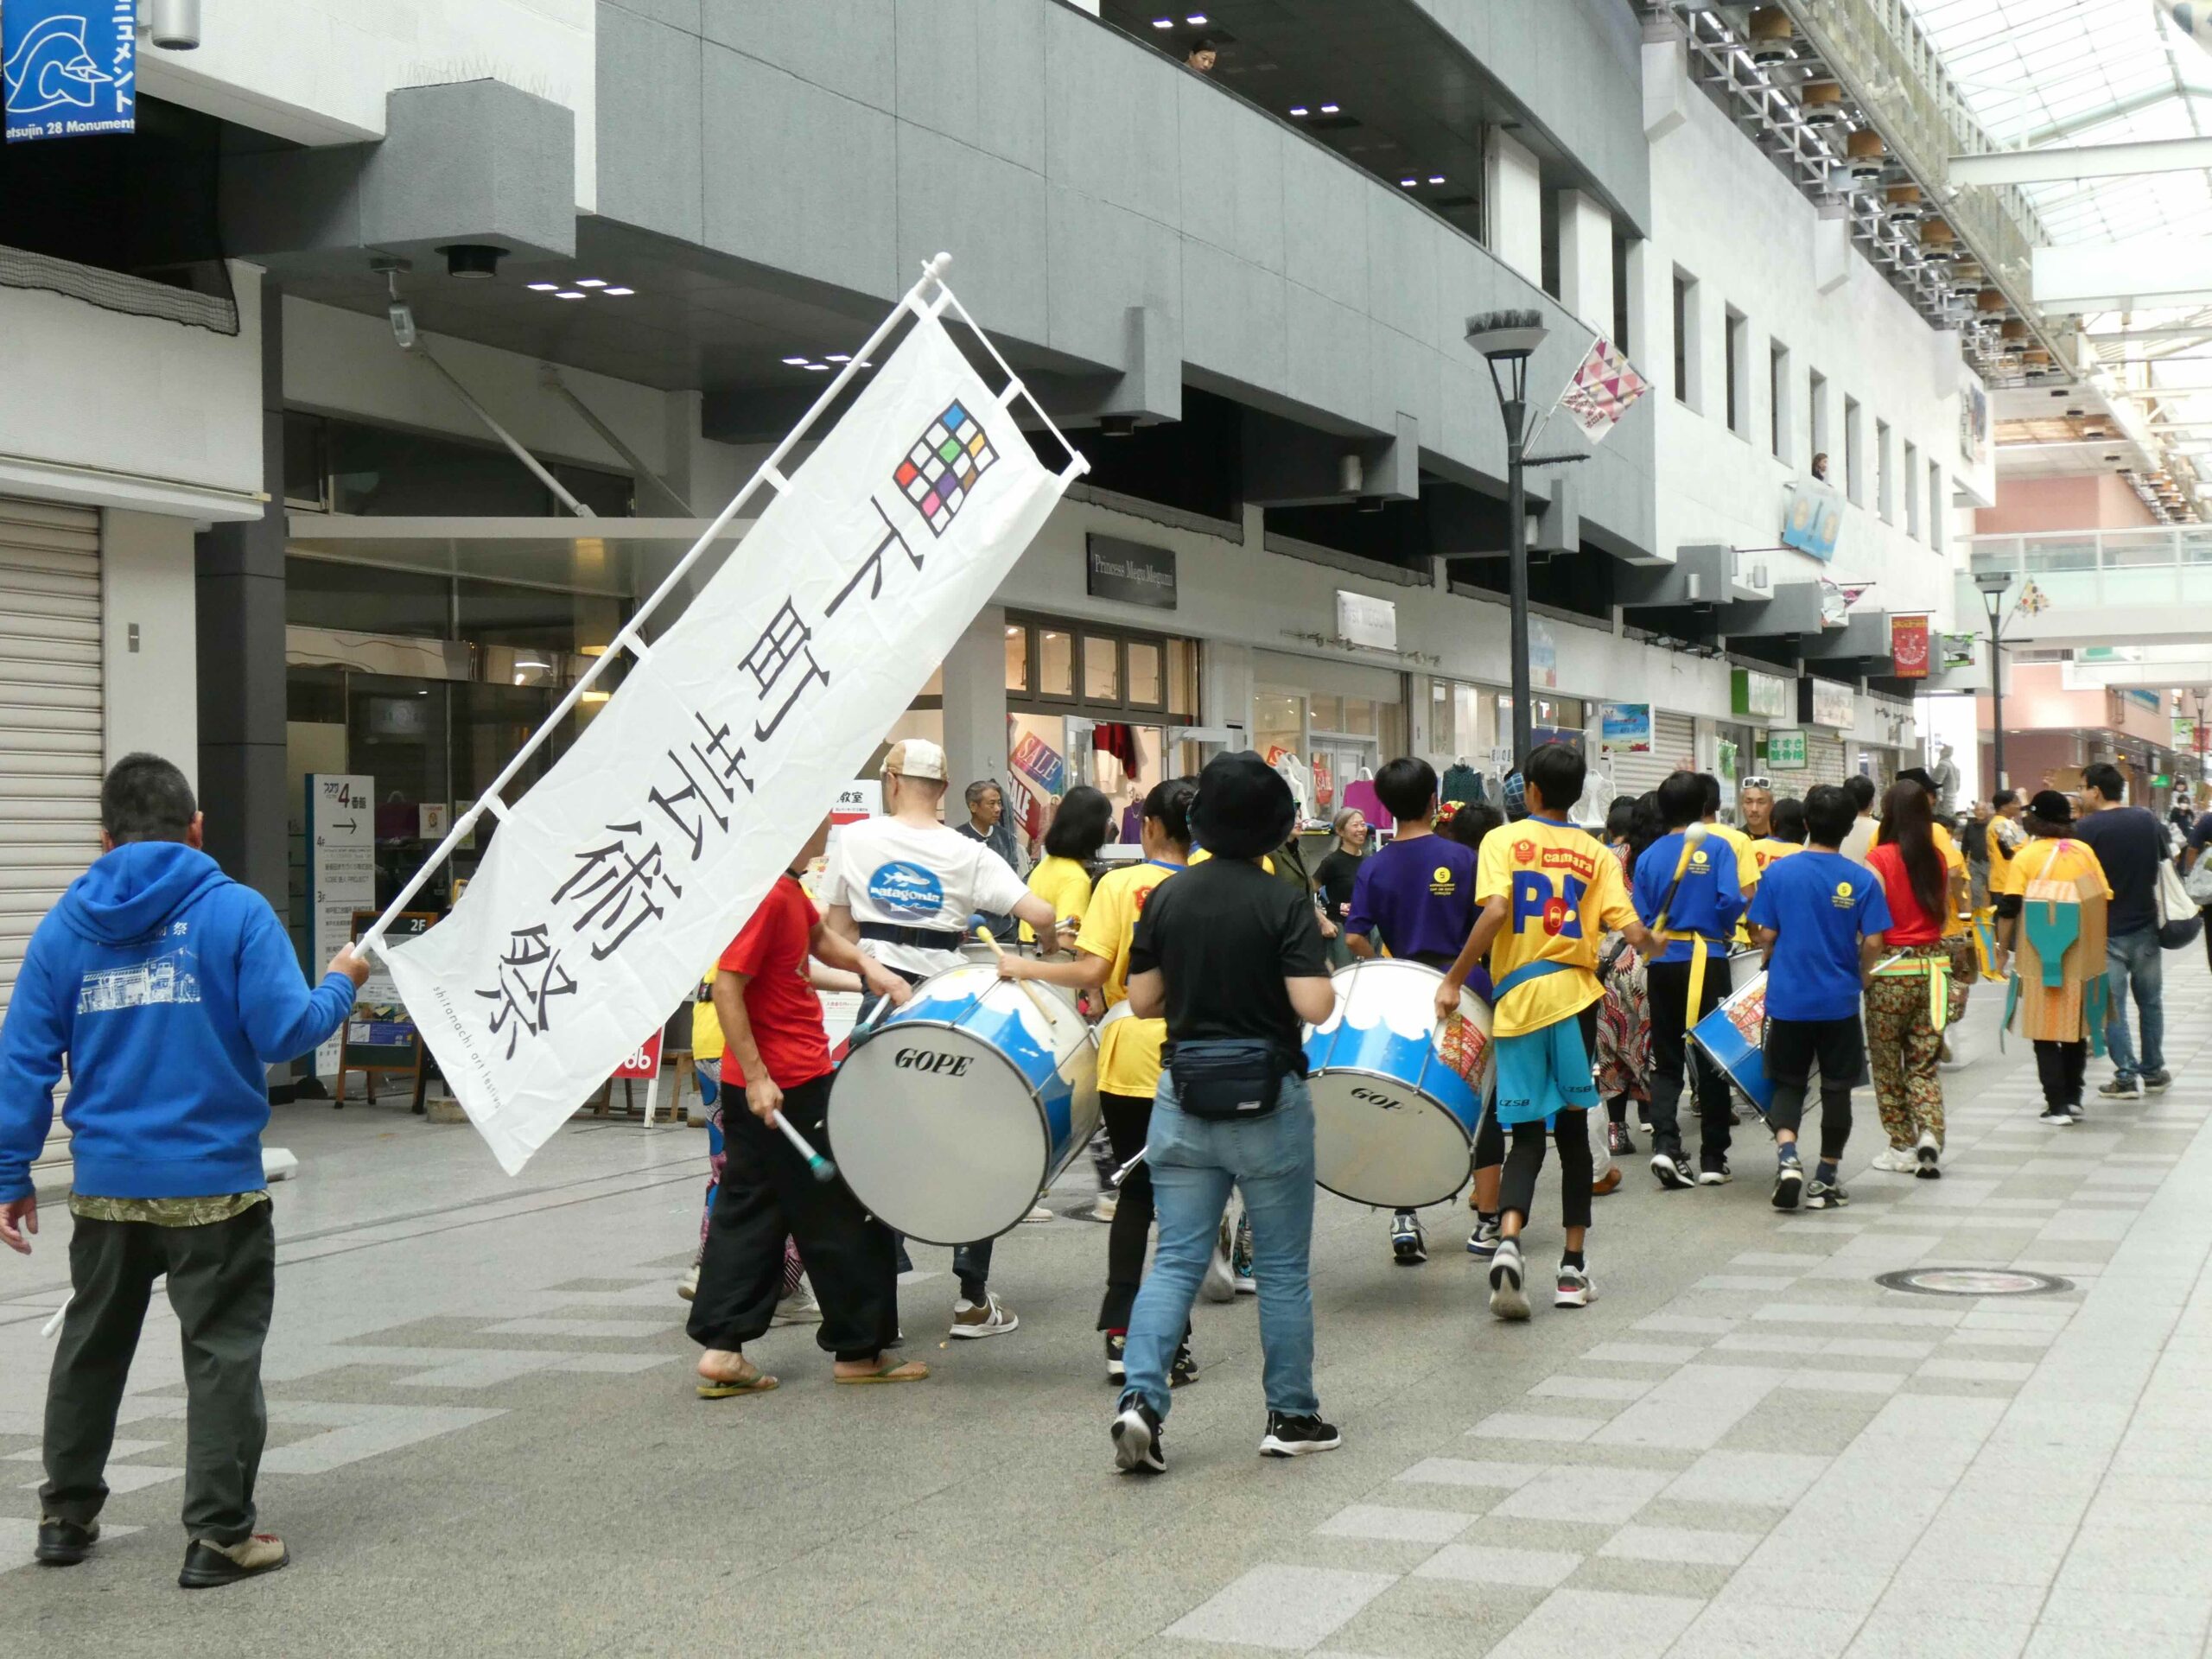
[(1334, 875), (1232, 958)]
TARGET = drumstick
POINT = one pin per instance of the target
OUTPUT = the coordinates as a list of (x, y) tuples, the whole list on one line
[(822, 1168), (1691, 837), (1036, 997), (1122, 1173), (55, 1323)]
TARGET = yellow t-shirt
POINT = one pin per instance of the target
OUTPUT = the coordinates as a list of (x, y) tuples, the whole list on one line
[(706, 1024), (1766, 849), (1199, 856), (2053, 861), (1564, 890), (1129, 1049), (1999, 854), (1063, 884), (1747, 867), (1954, 863)]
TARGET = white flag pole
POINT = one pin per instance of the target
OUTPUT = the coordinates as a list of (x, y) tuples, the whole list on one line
[(769, 472)]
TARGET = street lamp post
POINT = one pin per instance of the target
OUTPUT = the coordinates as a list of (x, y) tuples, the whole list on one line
[(1993, 584), (1507, 339)]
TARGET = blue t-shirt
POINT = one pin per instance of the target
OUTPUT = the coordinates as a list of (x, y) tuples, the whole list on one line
[(1418, 896), (1820, 906), (1708, 901)]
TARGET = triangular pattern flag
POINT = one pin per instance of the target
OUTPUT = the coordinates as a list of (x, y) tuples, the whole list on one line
[(1603, 389)]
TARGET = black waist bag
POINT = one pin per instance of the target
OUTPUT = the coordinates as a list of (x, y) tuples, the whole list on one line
[(1228, 1079)]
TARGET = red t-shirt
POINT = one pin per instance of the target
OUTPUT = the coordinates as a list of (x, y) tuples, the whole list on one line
[(1909, 923), (781, 1006)]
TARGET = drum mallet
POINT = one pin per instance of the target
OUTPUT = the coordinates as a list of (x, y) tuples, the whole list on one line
[(1036, 997), (1122, 1173), (822, 1168), (55, 1323), (1691, 837)]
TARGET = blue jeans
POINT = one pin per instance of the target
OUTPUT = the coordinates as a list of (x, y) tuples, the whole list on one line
[(1194, 1163), (2134, 957)]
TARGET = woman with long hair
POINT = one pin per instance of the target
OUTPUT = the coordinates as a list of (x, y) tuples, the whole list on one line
[(1081, 824), (1625, 1017), (1128, 1048), (1908, 997)]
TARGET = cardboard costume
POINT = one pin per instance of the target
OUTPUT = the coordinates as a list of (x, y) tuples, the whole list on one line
[(2057, 992)]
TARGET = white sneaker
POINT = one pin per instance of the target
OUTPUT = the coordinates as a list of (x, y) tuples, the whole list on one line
[(797, 1308), (1927, 1157), (1896, 1161), (1575, 1289), (2058, 1114), (688, 1286), (1039, 1213), (987, 1318), (1105, 1206)]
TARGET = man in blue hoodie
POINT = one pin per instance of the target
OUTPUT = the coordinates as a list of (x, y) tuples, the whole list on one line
[(167, 987)]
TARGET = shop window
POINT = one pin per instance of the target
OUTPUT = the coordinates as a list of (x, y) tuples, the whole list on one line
[(1017, 656), (1056, 664), (1183, 678), (1102, 670), (1145, 687)]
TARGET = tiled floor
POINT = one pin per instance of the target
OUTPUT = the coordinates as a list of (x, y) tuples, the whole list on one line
[(482, 1431)]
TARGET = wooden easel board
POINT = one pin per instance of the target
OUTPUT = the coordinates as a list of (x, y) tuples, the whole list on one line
[(378, 1038)]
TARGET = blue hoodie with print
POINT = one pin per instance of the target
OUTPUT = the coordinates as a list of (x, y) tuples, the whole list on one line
[(167, 987)]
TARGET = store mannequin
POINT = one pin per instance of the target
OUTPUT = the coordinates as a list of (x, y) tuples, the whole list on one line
[(1946, 774)]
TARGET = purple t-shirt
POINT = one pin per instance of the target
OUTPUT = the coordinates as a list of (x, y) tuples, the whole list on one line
[(1417, 898)]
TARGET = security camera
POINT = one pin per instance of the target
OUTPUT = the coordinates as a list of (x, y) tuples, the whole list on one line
[(402, 324), (173, 25)]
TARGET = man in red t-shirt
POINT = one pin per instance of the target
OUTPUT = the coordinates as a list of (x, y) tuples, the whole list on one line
[(776, 1050)]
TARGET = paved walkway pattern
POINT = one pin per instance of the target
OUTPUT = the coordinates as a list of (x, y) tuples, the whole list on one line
[(482, 1429)]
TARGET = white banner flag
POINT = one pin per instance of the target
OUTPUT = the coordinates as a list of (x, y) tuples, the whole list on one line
[(634, 859)]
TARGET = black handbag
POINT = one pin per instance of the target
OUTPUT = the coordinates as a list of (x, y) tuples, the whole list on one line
[(1227, 1079)]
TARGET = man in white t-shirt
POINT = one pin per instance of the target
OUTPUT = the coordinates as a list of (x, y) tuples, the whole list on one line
[(902, 886)]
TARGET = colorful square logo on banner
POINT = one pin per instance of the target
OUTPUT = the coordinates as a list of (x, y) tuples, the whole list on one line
[(941, 470)]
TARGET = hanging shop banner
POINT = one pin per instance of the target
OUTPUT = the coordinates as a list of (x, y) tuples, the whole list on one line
[(1603, 389), (341, 847), (1626, 728), (638, 855), (1823, 702), (2185, 733), (1909, 646), (1812, 518), (1961, 650), (1785, 751), (68, 69), (1543, 657), (1362, 620), (1753, 693), (1837, 598), (1131, 572)]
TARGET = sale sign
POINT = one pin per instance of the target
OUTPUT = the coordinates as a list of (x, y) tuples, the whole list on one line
[(1909, 643)]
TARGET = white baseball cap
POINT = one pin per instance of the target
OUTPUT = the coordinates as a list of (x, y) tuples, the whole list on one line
[(916, 757)]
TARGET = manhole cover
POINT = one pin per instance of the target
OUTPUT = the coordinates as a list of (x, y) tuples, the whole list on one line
[(1973, 1282)]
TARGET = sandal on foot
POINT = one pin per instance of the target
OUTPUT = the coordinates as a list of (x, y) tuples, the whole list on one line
[(758, 1382), (891, 1370)]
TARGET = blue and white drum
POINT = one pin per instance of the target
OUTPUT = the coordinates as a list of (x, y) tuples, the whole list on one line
[(959, 1110), (1396, 1096), (1733, 1037)]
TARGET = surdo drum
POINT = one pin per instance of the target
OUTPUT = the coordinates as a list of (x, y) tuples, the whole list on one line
[(1733, 1037), (1396, 1096), (958, 1111)]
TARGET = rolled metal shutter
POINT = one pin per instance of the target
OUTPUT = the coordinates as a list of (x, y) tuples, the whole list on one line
[(1824, 759), (50, 720), (1673, 736)]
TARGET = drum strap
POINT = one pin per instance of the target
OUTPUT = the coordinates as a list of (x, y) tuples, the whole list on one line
[(1937, 971), (1526, 972), (1699, 945), (920, 938)]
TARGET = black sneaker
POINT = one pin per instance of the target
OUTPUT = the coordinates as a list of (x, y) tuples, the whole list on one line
[(208, 1564), (1136, 1438), (65, 1543), (1715, 1172), (1294, 1437), (1184, 1367), (1673, 1170), (1408, 1248), (1826, 1195), (1789, 1183), (1508, 1296), (1617, 1141), (1116, 1362), (2060, 1114), (2158, 1082)]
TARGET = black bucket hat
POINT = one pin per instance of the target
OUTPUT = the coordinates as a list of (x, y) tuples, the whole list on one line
[(1244, 808)]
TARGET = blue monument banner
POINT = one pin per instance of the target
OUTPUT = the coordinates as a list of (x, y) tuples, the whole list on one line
[(68, 69)]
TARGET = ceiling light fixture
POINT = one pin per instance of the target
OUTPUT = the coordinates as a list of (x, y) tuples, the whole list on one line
[(817, 368), (569, 294), (591, 281), (796, 362), (615, 293), (1300, 109), (1436, 178), (543, 288), (1408, 184), (1163, 23), (1196, 20), (838, 357), (1328, 109)]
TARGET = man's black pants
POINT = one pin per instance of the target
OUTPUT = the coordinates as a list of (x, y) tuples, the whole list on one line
[(1794, 1048), (1667, 985), (766, 1192), (223, 1286), (2062, 1069)]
